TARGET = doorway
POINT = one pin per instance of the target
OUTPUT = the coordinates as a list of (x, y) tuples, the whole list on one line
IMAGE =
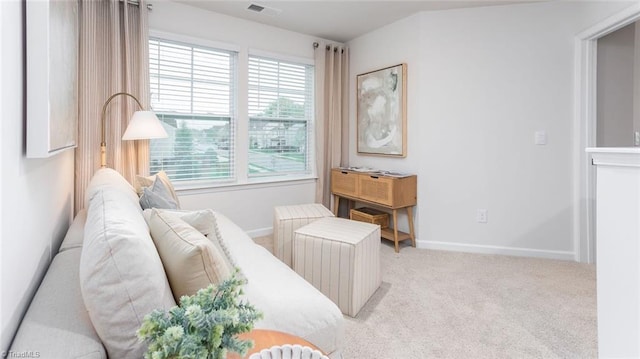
[(586, 126), (618, 87)]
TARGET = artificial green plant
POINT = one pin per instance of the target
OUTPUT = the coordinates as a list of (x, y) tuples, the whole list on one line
[(203, 326)]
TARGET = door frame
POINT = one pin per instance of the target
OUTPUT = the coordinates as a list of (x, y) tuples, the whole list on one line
[(586, 47)]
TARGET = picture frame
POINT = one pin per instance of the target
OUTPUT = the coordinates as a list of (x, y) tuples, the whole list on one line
[(381, 111), (52, 35)]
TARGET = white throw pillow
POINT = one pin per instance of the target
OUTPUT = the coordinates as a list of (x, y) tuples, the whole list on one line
[(121, 275), (191, 261)]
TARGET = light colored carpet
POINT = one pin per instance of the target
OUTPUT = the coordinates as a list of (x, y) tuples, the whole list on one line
[(266, 242), (436, 304)]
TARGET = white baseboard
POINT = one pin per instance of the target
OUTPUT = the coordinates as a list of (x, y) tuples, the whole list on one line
[(486, 249), (260, 232), (468, 248)]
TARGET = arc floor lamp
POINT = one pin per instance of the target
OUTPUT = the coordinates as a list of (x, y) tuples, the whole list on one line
[(144, 125)]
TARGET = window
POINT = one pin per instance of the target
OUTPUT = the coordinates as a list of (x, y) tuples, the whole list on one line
[(193, 94), (280, 117)]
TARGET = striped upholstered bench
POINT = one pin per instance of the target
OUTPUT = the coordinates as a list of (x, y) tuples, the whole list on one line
[(287, 219), (341, 258)]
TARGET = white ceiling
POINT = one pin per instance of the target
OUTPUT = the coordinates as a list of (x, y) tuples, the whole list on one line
[(339, 21)]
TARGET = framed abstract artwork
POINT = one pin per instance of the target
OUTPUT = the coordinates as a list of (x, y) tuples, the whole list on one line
[(381, 112), (52, 76)]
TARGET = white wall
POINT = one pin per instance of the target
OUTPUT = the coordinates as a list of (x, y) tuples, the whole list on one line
[(636, 84), (391, 45), (3, 345), (615, 81), (250, 206), (481, 82), (37, 195)]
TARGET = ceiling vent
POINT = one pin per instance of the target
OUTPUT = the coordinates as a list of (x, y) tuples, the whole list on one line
[(255, 7), (264, 10)]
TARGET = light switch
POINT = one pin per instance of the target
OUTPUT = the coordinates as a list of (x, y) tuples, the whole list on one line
[(540, 138)]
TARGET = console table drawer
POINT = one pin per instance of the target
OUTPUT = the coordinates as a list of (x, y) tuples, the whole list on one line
[(345, 183), (376, 189)]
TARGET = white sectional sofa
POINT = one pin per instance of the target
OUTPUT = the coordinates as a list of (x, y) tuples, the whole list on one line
[(57, 324)]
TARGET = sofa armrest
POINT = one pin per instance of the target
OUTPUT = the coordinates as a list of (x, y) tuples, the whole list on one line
[(75, 234), (56, 324)]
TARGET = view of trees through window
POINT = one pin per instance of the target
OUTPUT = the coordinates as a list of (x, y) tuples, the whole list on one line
[(278, 144), (195, 149), (280, 113)]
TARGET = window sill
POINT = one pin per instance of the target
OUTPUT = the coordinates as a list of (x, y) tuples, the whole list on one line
[(252, 183)]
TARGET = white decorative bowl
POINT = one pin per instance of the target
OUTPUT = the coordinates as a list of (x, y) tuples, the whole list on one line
[(288, 351)]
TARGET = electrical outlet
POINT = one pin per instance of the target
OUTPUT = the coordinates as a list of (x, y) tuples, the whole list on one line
[(482, 216), (636, 138)]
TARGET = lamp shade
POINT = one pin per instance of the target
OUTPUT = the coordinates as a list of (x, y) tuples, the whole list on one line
[(144, 125)]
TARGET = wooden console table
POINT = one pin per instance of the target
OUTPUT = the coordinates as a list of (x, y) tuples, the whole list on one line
[(389, 192)]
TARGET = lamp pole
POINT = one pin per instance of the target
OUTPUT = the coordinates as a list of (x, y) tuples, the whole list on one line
[(103, 143)]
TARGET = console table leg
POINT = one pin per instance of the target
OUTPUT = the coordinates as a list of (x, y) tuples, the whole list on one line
[(336, 205), (412, 232), (395, 229)]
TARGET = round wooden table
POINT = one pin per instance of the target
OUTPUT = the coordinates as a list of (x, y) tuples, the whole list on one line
[(266, 338)]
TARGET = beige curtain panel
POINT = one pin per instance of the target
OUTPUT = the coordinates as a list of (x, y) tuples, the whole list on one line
[(114, 57), (332, 114)]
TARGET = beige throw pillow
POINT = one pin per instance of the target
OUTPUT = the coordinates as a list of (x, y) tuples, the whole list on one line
[(191, 261), (140, 182), (203, 220)]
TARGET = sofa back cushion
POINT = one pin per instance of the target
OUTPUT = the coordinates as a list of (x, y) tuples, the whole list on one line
[(109, 178), (121, 276)]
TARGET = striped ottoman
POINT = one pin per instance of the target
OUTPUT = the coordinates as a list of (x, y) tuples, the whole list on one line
[(287, 219), (341, 258)]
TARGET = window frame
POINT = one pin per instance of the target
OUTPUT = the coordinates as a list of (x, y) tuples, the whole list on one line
[(308, 119), (240, 126), (233, 119), (311, 121)]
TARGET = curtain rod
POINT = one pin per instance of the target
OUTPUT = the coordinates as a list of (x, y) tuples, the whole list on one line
[(328, 47)]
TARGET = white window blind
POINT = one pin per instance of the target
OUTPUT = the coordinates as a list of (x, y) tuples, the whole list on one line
[(193, 94), (280, 117)]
